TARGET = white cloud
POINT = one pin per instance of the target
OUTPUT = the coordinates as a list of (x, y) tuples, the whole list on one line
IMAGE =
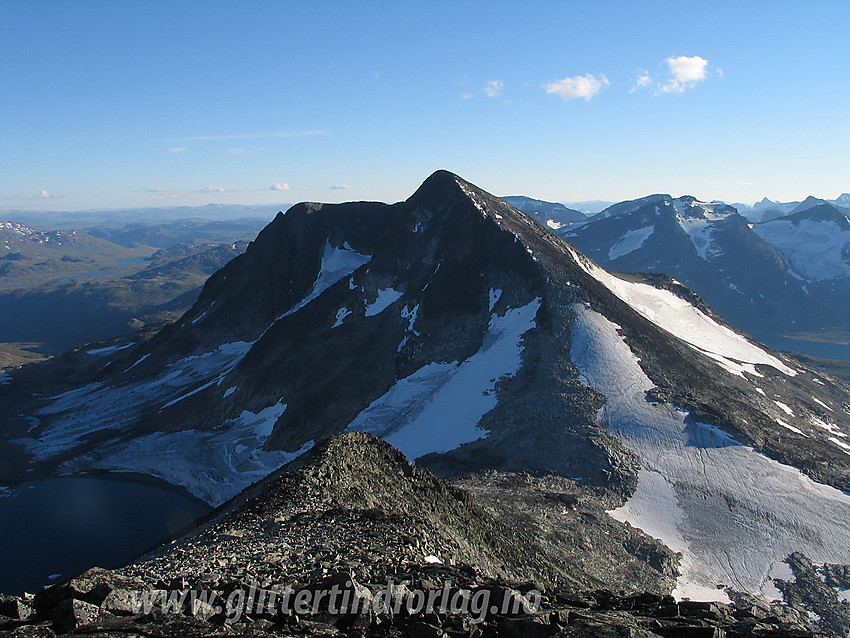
[(685, 72), (719, 72), (467, 96), (643, 80), (340, 187), (279, 186), (45, 195), (212, 189), (585, 86), (177, 149), (494, 88)]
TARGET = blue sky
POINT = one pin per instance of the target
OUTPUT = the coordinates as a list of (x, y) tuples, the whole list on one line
[(133, 104)]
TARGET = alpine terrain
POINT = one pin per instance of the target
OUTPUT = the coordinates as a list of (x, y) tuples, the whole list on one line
[(595, 428), (774, 277)]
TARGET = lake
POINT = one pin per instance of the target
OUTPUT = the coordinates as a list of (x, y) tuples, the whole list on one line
[(820, 349), (53, 529)]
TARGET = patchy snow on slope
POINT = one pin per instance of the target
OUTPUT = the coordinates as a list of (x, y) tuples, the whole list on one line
[(790, 427), (438, 407), (682, 319), (142, 358), (386, 297), (786, 409), (493, 297), (101, 352), (341, 314), (214, 465), (734, 513), (822, 404), (696, 219), (337, 263), (90, 410), (814, 250), (630, 242)]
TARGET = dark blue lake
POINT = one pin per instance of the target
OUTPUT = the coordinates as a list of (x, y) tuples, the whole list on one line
[(59, 527), (812, 348)]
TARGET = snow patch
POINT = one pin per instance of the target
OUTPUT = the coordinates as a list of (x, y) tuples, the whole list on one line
[(495, 294), (840, 444), (229, 391), (214, 465), (735, 512), (683, 320), (337, 263), (790, 427), (386, 297), (95, 408), (813, 249), (142, 358), (785, 408), (630, 242), (821, 403), (341, 314), (438, 407), (101, 352)]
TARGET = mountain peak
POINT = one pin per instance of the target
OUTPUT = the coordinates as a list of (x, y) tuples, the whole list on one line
[(438, 184)]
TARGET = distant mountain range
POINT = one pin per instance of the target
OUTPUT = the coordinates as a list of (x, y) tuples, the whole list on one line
[(781, 276)]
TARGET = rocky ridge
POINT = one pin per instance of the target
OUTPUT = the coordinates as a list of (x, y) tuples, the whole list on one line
[(354, 514)]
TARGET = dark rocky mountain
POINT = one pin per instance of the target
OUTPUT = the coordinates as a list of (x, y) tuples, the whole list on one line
[(355, 515), (768, 278), (549, 214), (475, 341)]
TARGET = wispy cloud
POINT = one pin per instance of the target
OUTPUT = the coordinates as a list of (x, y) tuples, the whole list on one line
[(466, 96), (279, 186), (177, 149), (340, 187), (213, 189), (643, 80), (580, 86), (685, 72), (494, 88)]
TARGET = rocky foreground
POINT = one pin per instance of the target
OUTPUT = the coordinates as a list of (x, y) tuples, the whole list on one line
[(351, 539)]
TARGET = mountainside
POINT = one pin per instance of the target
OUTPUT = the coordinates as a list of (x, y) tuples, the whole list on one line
[(814, 241), (550, 214), (757, 276), (472, 339)]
